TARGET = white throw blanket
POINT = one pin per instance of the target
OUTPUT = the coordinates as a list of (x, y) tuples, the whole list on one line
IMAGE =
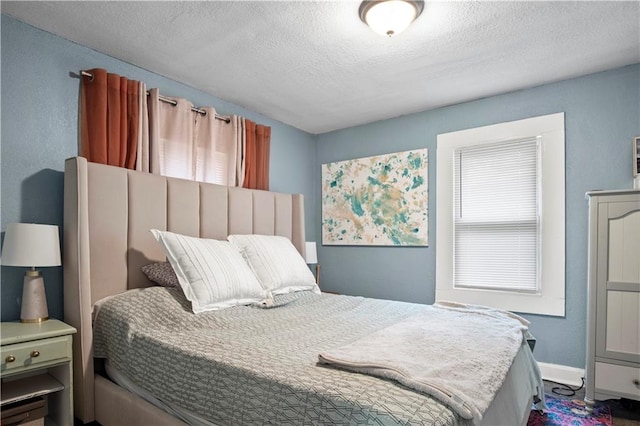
[(457, 353)]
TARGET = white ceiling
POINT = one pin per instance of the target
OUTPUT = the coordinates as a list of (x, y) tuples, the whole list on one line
[(315, 66)]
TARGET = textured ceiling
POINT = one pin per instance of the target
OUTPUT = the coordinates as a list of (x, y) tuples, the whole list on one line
[(316, 66)]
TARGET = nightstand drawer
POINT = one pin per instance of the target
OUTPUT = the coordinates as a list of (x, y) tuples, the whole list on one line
[(35, 352)]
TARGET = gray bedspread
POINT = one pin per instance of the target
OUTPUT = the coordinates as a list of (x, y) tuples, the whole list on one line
[(250, 365)]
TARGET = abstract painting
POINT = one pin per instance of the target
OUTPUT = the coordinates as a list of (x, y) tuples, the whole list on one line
[(376, 201)]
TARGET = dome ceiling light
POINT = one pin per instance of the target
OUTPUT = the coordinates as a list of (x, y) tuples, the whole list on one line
[(390, 17)]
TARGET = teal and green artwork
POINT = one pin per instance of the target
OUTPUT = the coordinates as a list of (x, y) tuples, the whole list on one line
[(376, 201)]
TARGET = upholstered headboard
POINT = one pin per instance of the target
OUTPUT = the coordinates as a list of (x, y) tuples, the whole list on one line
[(108, 212)]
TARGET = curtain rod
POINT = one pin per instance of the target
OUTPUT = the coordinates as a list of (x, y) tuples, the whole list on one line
[(172, 102)]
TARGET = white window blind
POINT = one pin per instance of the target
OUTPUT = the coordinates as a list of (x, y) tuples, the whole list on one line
[(496, 218), (212, 166)]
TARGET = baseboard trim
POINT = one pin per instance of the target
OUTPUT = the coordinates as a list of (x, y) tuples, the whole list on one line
[(561, 373)]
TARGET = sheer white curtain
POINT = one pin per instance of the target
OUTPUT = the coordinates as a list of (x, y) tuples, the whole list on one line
[(241, 142), (142, 154), (191, 145), (216, 144)]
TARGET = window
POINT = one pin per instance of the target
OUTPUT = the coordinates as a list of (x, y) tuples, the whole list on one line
[(500, 216), (496, 219)]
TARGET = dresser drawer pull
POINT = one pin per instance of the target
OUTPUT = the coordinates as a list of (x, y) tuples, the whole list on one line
[(35, 354), (636, 382), (10, 358)]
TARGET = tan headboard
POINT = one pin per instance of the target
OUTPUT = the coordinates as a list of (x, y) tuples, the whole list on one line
[(108, 212)]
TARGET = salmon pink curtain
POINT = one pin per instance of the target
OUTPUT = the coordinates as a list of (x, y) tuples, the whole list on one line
[(110, 119), (258, 143)]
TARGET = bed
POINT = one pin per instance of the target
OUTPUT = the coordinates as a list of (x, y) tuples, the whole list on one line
[(272, 376)]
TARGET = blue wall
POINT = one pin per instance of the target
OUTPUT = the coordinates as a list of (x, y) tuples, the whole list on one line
[(602, 115), (39, 131)]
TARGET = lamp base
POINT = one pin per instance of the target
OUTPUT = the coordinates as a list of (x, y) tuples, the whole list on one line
[(34, 299), (318, 274)]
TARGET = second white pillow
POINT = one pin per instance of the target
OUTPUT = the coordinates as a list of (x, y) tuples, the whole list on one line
[(276, 263)]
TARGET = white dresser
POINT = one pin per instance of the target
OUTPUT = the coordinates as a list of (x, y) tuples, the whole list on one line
[(613, 314)]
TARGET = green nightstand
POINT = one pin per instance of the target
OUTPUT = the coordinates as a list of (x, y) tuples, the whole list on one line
[(37, 362)]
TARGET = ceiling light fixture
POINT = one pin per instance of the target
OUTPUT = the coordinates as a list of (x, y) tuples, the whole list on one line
[(390, 17)]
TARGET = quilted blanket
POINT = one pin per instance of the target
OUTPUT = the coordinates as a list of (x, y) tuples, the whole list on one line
[(256, 366), (457, 353)]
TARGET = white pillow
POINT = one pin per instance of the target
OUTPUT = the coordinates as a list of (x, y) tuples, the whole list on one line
[(276, 263), (213, 275)]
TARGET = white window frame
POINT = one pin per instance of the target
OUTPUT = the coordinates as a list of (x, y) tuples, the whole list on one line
[(550, 299)]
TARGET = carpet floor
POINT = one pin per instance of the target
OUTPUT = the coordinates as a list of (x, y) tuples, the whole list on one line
[(567, 407), (571, 412)]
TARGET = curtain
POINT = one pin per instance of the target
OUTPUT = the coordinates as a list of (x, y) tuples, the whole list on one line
[(240, 137), (142, 157), (123, 125), (258, 142), (109, 119), (188, 144), (216, 148), (171, 130)]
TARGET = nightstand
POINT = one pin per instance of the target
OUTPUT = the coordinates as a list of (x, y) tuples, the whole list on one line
[(36, 365)]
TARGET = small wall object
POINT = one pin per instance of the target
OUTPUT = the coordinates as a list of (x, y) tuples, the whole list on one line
[(376, 201)]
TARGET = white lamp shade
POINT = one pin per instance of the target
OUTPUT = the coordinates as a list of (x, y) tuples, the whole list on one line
[(31, 245), (390, 17), (311, 255)]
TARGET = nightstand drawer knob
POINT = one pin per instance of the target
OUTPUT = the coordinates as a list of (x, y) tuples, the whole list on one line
[(10, 358), (636, 382), (35, 354)]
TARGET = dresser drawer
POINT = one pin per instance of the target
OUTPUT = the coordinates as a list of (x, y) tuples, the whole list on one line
[(36, 352), (618, 379)]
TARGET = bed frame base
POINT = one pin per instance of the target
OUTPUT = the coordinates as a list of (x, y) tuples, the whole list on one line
[(115, 406)]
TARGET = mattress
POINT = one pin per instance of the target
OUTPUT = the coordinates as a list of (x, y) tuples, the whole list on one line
[(251, 365)]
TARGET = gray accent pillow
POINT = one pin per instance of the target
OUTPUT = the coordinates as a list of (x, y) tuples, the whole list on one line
[(161, 273)]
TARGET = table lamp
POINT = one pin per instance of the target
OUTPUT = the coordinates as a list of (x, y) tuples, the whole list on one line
[(32, 245), (311, 257)]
